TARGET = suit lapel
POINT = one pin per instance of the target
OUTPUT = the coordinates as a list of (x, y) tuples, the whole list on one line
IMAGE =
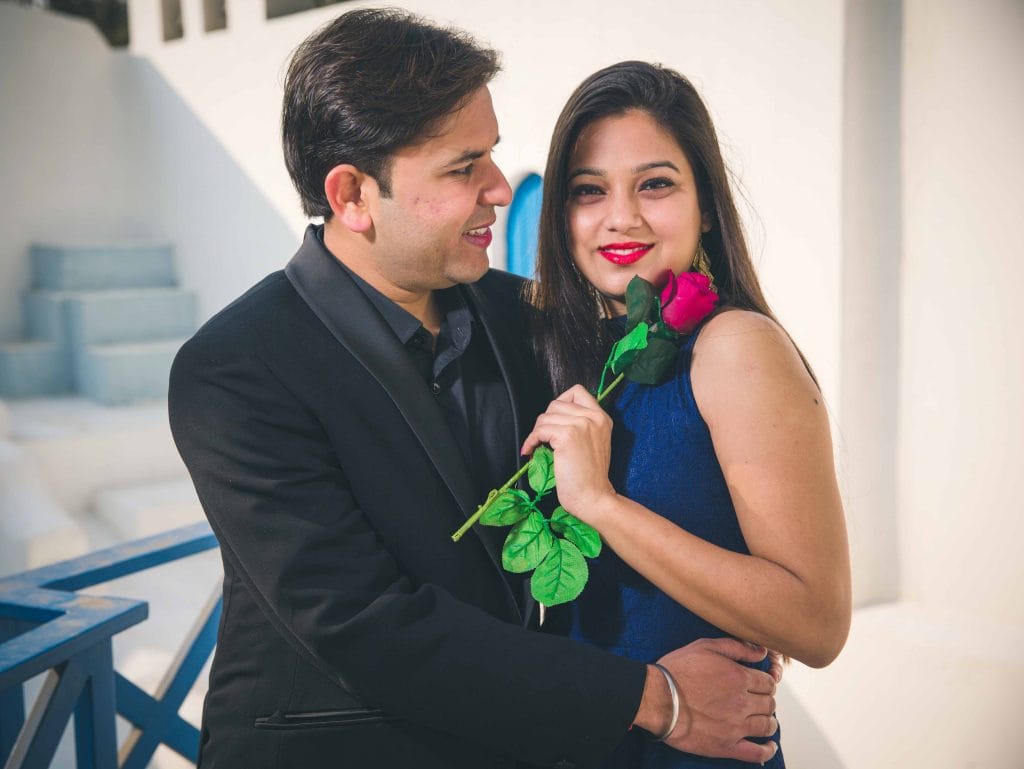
[(498, 337), (350, 317), (498, 334)]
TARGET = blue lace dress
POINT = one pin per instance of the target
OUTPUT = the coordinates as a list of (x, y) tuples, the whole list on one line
[(663, 458)]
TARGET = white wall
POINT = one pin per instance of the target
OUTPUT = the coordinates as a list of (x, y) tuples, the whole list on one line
[(63, 173), (226, 232), (961, 493), (884, 213), (872, 225), (770, 72), (95, 147)]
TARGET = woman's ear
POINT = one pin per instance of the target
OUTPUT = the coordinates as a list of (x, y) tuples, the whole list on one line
[(706, 222), (348, 189)]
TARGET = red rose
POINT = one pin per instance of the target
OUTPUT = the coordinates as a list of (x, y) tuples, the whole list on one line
[(686, 300)]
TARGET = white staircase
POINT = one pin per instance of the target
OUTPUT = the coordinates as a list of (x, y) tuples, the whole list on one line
[(103, 321)]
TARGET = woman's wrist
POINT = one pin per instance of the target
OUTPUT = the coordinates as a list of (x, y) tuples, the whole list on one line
[(598, 508)]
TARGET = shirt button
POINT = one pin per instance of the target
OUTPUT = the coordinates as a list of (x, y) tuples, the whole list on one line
[(435, 388)]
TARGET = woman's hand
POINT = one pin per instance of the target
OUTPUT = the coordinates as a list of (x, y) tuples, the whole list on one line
[(579, 432)]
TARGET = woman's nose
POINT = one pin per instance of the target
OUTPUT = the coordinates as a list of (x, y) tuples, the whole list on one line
[(624, 213)]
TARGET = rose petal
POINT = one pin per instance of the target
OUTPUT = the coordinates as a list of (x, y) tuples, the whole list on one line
[(693, 300), (670, 287)]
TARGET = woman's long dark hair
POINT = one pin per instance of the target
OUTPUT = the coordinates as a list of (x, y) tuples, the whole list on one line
[(570, 340)]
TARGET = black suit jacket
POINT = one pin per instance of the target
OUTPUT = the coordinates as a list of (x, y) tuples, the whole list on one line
[(354, 632)]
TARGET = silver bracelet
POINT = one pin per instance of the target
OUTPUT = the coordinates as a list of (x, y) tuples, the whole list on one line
[(674, 694)]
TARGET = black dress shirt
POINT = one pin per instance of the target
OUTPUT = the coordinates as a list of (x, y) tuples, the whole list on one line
[(464, 377)]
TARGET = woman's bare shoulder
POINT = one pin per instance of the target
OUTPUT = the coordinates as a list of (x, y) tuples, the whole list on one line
[(743, 332), (744, 350)]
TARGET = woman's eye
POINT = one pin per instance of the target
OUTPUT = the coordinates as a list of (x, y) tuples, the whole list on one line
[(585, 190), (658, 183)]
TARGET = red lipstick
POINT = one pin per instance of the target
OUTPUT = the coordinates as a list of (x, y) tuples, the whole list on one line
[(624, 253)]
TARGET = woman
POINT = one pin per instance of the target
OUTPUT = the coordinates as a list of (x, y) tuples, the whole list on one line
[(715, 491)]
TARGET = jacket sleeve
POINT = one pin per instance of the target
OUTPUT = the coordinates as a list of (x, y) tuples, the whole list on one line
[(287, 522)]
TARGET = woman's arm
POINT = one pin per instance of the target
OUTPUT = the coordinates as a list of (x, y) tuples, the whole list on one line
[(770, 431)]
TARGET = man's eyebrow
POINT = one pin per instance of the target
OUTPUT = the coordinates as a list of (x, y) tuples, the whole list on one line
[(635, 170), (471, 155)]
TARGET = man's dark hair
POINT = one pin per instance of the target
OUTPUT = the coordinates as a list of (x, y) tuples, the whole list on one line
[(367, 84)]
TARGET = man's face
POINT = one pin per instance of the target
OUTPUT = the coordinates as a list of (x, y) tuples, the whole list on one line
[(434, 230)]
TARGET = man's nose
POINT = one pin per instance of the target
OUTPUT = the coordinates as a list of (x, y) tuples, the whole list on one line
[(497, 192)]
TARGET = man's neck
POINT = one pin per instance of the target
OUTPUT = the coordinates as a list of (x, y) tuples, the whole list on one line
[(423, 306)]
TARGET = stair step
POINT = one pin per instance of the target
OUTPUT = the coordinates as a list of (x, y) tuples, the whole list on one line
[(130, 315), (84, 268), (33, 368), (34, 528), (46, 315), (80, 447), (138, 511), (115, 374)]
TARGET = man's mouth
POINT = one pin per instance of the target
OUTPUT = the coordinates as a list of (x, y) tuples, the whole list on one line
[(624, 253), (480, 237)]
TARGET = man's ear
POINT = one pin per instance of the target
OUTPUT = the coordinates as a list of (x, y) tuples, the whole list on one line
[(348, 189)]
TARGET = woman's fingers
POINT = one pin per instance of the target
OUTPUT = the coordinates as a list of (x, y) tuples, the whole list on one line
[(553, 429), (575, 409), (578, 394)]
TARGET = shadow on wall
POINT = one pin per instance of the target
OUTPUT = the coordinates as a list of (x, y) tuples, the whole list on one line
[(226, 233), (803, 741)]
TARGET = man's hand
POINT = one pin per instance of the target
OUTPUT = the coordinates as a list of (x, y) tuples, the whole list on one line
[(721, 702)]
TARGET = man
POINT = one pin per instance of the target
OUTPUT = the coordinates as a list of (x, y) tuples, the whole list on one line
[(342, 418)]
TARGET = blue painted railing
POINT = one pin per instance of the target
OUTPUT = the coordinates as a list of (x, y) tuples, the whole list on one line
[(47, 627)]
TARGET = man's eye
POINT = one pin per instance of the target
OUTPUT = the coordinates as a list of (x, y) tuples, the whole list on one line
[(464, 171)]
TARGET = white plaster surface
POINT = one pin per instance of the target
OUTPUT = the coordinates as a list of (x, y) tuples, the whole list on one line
[(179, 142), (133, 512), (770, 72), (961, 490), (79, 447), (917, 686)]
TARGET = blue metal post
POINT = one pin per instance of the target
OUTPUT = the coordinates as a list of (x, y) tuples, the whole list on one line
[(12, 700), (95, 731)]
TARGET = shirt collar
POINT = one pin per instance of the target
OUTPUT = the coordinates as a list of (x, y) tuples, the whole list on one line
[(457, 314)]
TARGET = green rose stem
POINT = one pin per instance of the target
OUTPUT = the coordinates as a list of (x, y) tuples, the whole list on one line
[(495, 493)]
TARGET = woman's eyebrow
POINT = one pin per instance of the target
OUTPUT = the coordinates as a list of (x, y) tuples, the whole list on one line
[(655, 164), (585, 171)]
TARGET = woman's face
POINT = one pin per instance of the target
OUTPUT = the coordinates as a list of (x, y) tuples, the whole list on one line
[(632, 206)]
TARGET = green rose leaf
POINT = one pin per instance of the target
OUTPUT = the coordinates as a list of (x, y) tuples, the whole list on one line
[(527, 544), (639, 300), (509, 507), (660, 330), (628, 348), (650, 366), (581, 534), (561, 576), (542, 470)]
